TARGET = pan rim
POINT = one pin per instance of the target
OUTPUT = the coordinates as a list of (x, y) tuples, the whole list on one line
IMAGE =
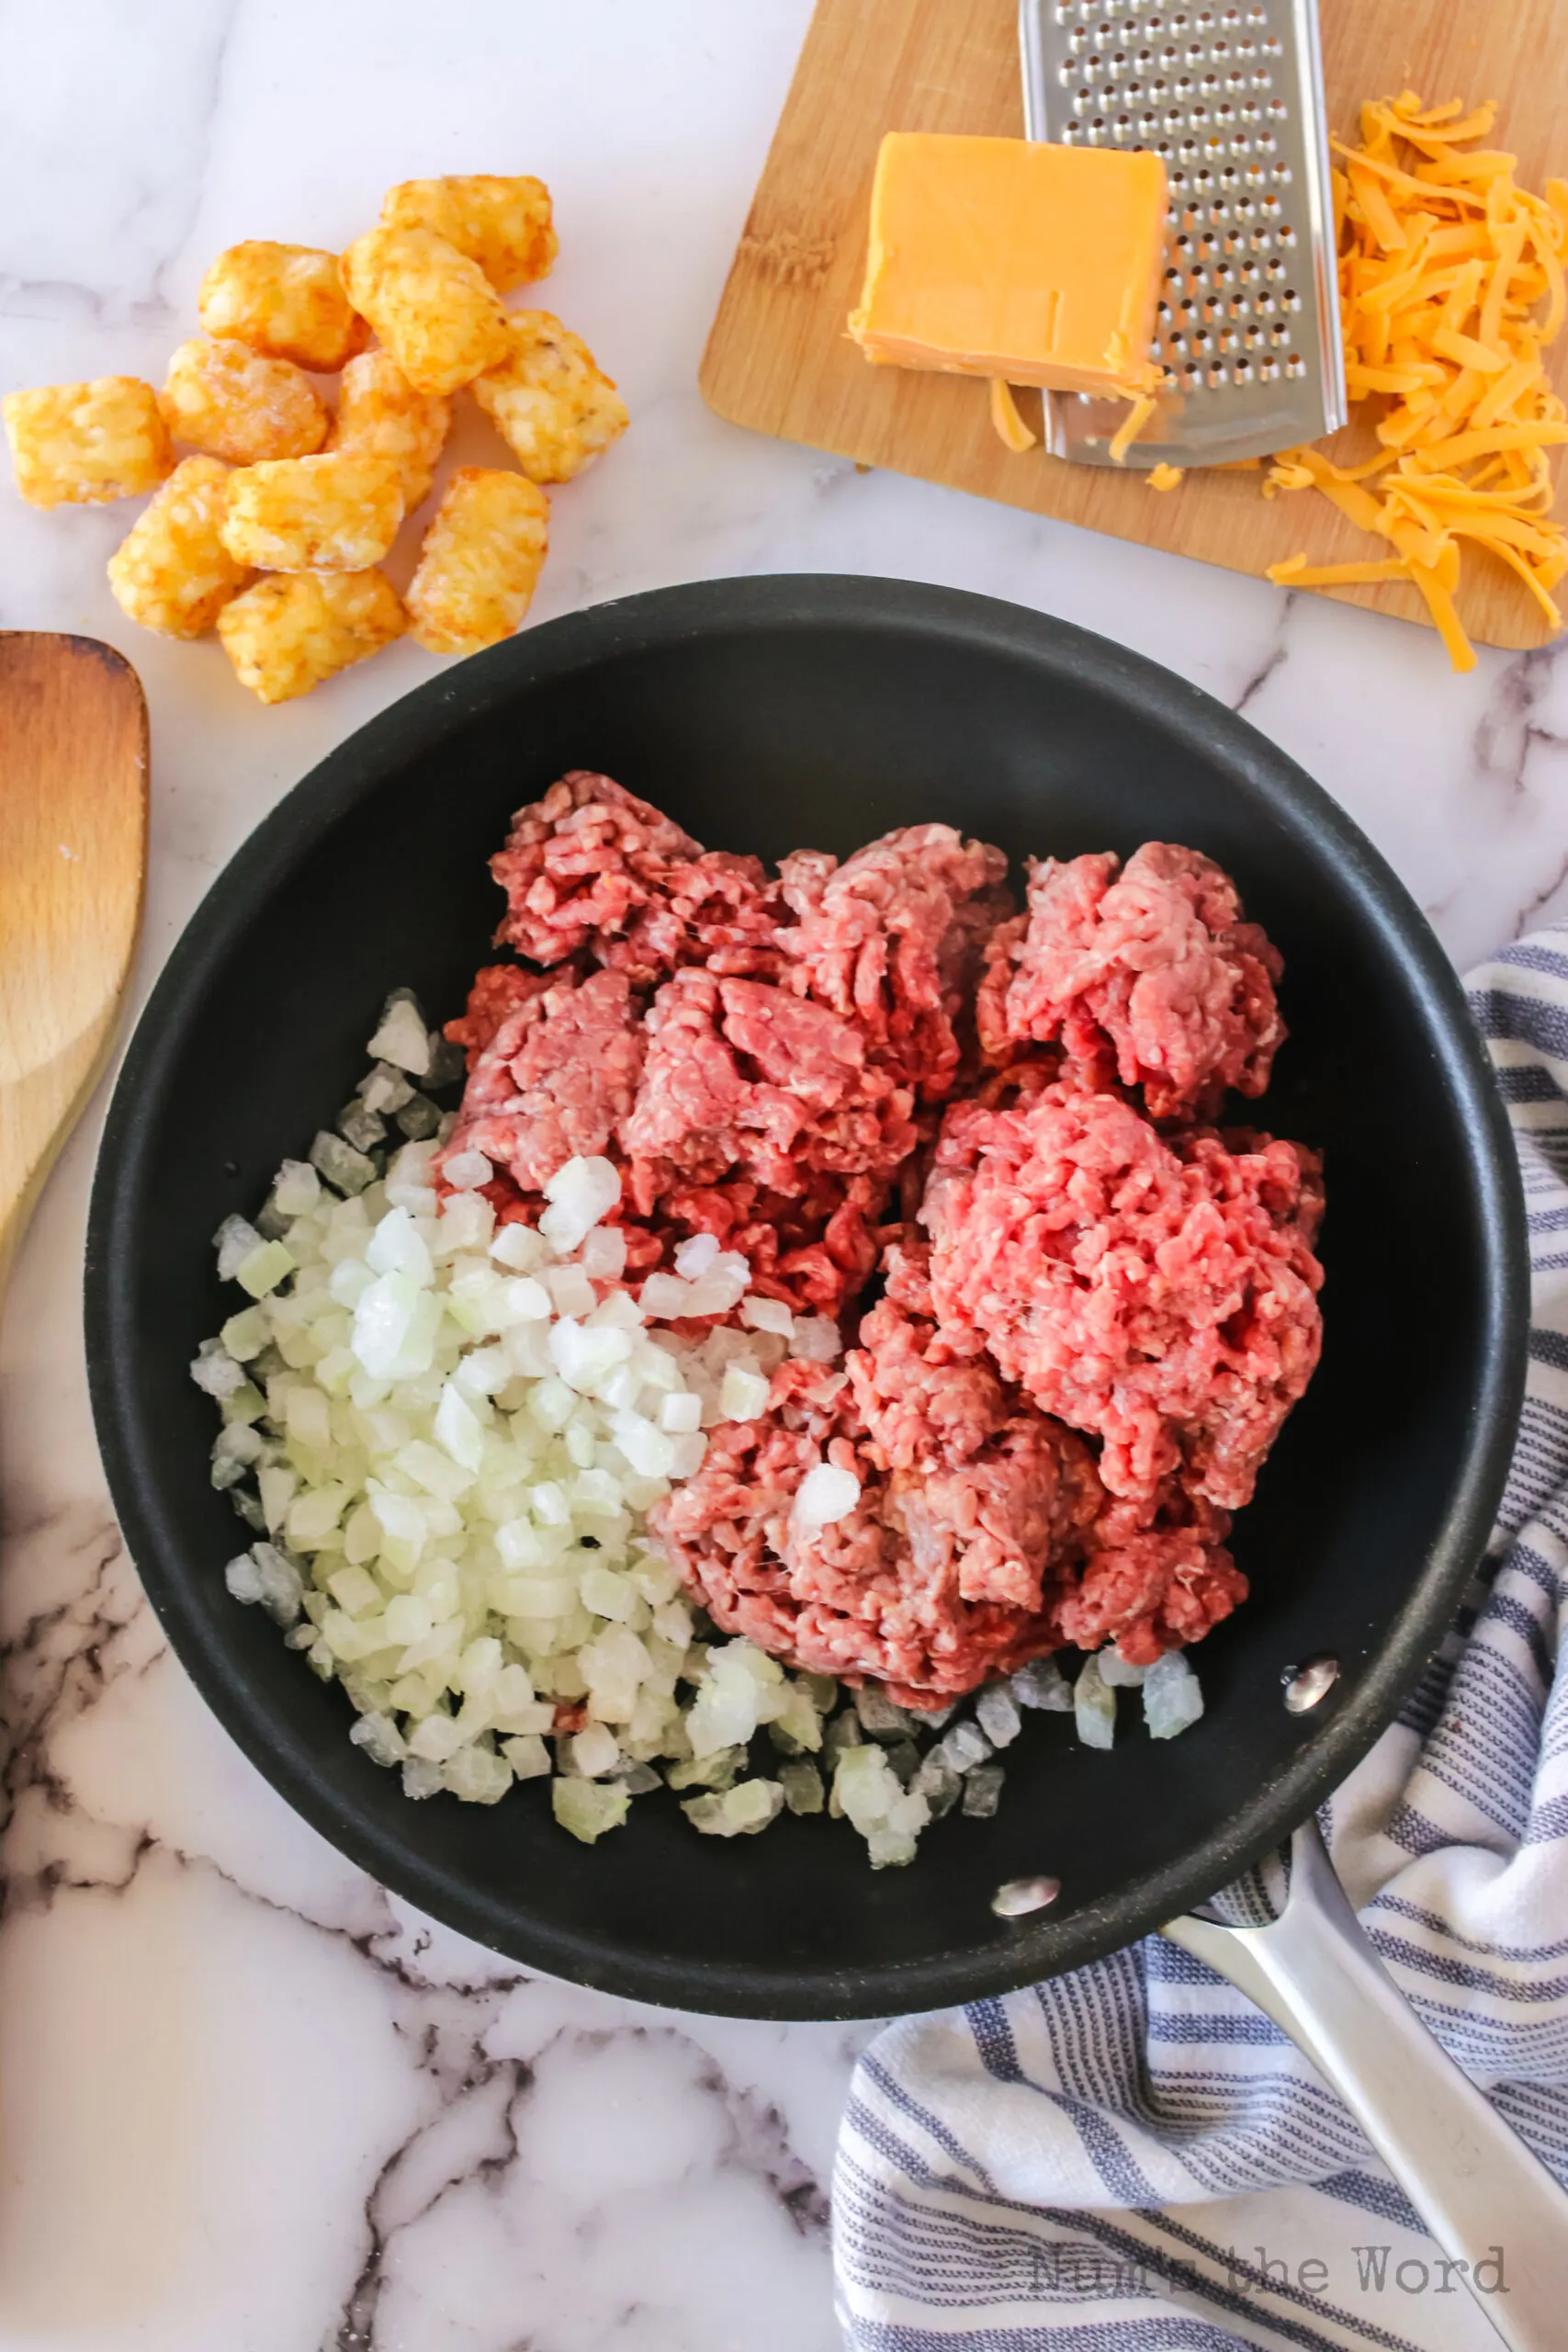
[(738, 606)]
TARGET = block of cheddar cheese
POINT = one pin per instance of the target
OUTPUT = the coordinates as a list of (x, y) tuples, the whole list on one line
[(1010, 258)]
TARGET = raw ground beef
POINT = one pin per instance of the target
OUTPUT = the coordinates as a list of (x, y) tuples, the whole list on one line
[(1158, 1292), (1152, 978), (982, 1538), (589, 866), (894, 938), (761, 1061), (1088, 1330), (555, 1079), (744, 1074), (932, 1582)]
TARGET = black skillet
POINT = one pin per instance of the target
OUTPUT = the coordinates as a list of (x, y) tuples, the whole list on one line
[(765, 715)]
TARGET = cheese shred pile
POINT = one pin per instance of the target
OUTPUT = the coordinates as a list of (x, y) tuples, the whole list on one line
[(1451, 287)]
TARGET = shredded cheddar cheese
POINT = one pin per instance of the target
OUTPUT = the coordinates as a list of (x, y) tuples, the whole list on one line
[(1163, 476), (1132, 424), (1015, 434), (1450, 286)]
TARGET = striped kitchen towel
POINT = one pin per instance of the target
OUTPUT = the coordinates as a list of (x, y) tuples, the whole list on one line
[(1132, 2157)]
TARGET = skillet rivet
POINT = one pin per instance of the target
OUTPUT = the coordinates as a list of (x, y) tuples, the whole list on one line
[(1017, 1898), (1307, 1686)]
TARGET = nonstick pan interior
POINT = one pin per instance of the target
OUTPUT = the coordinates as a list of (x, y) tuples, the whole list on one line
[(767, 715)]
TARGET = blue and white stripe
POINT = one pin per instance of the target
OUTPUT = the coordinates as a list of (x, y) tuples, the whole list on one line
[(1133, 2157)]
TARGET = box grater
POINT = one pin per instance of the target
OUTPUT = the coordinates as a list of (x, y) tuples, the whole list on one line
[(1249, 323)]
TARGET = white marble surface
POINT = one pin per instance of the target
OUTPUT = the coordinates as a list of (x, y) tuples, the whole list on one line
[(249, 2102)]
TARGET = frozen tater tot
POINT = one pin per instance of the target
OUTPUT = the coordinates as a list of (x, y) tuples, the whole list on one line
[(285, 301), (227, 399), (435, 309), (334, 512), (174, 572), (503, 224), (549, 399), (481, 558), (379, 415), (286, 634), (81, 445)]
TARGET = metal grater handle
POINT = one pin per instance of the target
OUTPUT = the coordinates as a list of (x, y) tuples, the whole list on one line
[(1230, 94)]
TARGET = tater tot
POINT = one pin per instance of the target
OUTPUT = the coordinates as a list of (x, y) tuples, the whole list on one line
[(435, 309), (551, 402), (285, 301), (379, 415), (81, 445), (503, 224), (174, 572), (286, 634), (481, 558), (226, 399), (335, 513)]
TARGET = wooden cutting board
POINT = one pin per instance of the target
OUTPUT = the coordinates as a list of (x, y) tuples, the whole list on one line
[(780, 362)]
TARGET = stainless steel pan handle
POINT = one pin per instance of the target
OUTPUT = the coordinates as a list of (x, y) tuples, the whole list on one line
[(1477, 2186)]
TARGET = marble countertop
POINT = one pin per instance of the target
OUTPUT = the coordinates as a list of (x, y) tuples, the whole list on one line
[(249, 2100)]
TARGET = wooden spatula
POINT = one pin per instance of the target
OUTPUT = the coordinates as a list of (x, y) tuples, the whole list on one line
[(73, 862)]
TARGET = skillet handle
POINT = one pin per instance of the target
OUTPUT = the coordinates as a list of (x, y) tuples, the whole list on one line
[(1481, 2192)]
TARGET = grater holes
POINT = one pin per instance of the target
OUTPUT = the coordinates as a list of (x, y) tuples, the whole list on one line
[(1296, 365)]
